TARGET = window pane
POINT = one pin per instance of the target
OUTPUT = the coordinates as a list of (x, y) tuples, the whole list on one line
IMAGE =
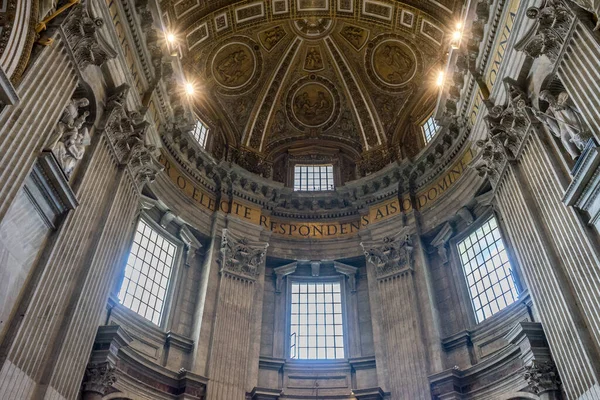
[(200, 133), (429, 129), (315, 331), (488, 270), (313, 177), (146, 278)]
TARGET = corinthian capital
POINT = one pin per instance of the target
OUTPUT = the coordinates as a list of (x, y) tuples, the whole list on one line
[(99, 378), (391, 256), (241, 258), (542, 377)]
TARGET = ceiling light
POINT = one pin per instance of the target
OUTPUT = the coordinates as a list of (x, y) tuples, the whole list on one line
[(440, 78), (190, 89), (171, 38)]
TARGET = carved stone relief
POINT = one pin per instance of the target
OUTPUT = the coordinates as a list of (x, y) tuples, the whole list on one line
[(553, 23), (126, 132), (542, 377), (83, 38), (99, 378)]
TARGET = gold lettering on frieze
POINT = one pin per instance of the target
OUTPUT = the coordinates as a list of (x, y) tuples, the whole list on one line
[(322, 229)]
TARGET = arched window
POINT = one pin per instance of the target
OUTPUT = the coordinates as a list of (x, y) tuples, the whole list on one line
[(148, 271), (429, 129), (488, 272), (200, 133)]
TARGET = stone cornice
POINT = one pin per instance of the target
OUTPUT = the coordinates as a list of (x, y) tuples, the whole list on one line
[(346, 201)]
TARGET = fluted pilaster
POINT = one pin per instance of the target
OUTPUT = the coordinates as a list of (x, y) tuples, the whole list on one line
[(240, 294)]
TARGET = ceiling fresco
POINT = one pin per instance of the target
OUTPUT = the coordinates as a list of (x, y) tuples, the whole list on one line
[(348, 75)]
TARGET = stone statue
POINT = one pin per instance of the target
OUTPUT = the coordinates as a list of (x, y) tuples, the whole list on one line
[(592, 6), (564, 122), (70, 137)]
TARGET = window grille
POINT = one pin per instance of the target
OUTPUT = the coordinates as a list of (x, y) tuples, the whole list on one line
[(313, 177), (487, 269), (147, 273), (200, 133), (429, 128), (316, 330)]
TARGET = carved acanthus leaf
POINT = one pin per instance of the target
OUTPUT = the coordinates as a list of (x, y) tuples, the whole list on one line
[(542, 377), (391, 257), (99, 377), (240, 258)]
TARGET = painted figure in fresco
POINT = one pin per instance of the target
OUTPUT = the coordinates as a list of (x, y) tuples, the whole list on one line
[(230, 67), (313, 59), (398, 61), (311, 109), (564, 122), (354, 35), (273, 37)]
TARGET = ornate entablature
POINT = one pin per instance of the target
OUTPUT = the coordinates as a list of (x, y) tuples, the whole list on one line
[(391, 258), (240, 258)]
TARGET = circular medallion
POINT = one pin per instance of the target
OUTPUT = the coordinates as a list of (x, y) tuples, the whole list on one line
[(391, 63), (234, 65), (313, 104)]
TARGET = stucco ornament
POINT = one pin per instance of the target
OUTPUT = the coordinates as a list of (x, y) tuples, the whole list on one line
[(70, 137), (239, 257), (393, 256), (564, 121)]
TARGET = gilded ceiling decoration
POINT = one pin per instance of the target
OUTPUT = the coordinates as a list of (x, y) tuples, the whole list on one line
[(281, 74)]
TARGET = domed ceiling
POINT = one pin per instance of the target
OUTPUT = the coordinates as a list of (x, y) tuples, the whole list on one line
[(335, 80)]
